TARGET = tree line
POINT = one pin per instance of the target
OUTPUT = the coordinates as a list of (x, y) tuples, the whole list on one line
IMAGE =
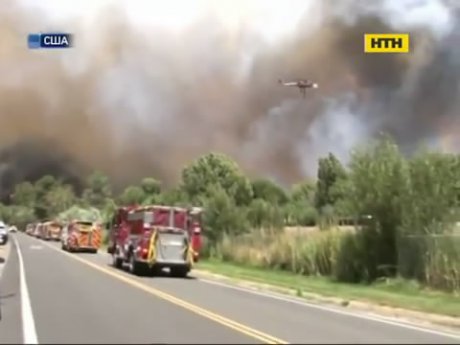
[(405, 209)]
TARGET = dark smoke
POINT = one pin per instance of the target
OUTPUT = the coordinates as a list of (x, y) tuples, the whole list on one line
[(29, 161), (134, 103)]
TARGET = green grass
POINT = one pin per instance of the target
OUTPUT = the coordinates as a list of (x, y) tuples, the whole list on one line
[(394, 293)]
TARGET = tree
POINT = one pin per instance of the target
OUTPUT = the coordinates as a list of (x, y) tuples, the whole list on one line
[(151, 186), (97, 190), (58, 199), (330, 171), (42, 187), (173, 196), (269, 191), (300, 210), (86, 214), (132, 195), (263, 214), (304, 191), (152, 191), (222, 216), (219, 170), (432, 198), (378, 185), (19, 215), (25, 194)]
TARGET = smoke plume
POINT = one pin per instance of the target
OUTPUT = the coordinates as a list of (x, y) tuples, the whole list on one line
[(136, 103)]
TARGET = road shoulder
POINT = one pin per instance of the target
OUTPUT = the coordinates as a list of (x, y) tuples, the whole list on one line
[(10, 298), (435, 320)]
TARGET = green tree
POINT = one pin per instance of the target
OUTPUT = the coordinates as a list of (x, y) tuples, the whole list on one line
[(378, 185), (42, 187), (330, 171), (25, 194), (269, 191), (152, 191), (5, 213), (108, 211), (263, 214), (132, 195), (304, 191), (97, 190), (222, 215), (300, 210), (58, 199), (216, 169), (430, 210), (173, 196), (19, 215), (432, 198), (151, 186), (300, 213)]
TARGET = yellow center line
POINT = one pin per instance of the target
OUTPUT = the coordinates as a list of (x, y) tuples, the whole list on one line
[(251, 332)]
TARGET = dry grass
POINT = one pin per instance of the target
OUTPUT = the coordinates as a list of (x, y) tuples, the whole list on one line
[(309, 252), (340, 253), (309, 229)]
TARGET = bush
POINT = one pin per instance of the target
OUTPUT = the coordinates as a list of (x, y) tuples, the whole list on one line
[(222, 215), (350, 265), (432, 259)]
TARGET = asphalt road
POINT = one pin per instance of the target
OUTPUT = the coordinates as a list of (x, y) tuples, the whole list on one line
[(79, 298)]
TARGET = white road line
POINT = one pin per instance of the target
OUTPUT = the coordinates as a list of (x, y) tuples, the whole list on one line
[(29, 333), (381, 319)]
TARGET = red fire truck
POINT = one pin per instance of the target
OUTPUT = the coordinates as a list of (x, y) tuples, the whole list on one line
[(150, 238)]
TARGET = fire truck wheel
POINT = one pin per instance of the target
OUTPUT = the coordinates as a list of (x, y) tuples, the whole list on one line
[(136, 268), (179, 272), (116, 262)]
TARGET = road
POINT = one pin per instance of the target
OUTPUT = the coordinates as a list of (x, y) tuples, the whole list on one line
[(79, 298)]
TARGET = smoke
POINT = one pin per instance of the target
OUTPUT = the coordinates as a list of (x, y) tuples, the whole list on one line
[(138, 102)]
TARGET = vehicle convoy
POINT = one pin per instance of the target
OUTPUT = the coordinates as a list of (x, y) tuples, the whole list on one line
[(81, 236), (51, 231), (150, 238)]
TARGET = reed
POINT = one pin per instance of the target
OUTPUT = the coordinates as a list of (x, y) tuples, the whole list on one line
[(343, 255)]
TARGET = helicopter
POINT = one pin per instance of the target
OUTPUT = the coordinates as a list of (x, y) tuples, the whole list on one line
[(302, 84)]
